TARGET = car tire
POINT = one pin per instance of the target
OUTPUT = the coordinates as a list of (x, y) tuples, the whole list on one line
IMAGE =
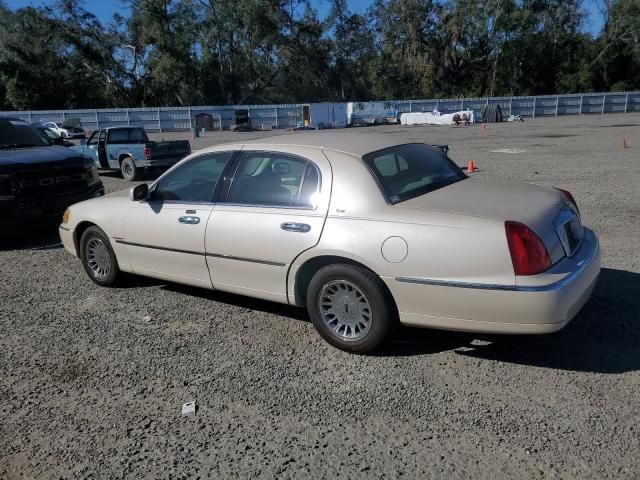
[(350, 308), (98, 258), (129, 169)]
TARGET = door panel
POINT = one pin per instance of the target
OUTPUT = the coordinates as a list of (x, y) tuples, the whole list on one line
[(248, 250), (91, 150), (102, 149), (164, 235), (165, 241), (250, 245)]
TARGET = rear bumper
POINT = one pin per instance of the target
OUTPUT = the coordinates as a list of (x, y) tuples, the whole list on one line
[(540, 304)]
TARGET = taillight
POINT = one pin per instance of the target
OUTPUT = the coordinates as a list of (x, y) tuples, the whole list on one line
[(528, 254), (147, 153), (567, 195)]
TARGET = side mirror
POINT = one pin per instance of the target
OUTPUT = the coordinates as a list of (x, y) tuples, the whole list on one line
[(139, 192), (83, 141)]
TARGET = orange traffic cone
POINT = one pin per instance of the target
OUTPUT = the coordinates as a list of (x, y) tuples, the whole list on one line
[(470, 167), (624, 144)]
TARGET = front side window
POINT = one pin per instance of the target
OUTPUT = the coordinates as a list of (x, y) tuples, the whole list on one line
[(273, 179), (407, 171), (93, 140), (195, 181)]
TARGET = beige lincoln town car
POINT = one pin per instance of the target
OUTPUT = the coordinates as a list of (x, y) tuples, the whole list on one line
[(363, 231)]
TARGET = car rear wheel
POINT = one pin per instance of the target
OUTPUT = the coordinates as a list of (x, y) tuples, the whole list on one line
[(350, 308), (129, 169), (98, 258)]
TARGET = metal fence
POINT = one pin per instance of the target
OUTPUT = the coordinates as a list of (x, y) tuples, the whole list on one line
[(292, 115), (167, 118)]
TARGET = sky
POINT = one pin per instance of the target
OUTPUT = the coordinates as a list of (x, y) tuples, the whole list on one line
[(104, 9)]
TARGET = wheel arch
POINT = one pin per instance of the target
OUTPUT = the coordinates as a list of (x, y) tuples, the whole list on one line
[(123, 155), (77, 234), (311, 266)]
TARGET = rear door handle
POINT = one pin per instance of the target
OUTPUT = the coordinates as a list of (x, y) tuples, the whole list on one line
[(189, 220), (295, 227)]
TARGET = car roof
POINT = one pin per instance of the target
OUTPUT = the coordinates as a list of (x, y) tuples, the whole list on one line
[(347, 141)]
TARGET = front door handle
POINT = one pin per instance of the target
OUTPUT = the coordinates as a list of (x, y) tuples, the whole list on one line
[(189, 220), (295, 227)]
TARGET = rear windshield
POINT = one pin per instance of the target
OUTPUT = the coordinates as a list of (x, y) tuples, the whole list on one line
[(128, 135), (407, 171), (17, 134)]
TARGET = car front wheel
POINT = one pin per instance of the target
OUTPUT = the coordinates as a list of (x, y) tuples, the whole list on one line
[(350, 308), (98, 258)]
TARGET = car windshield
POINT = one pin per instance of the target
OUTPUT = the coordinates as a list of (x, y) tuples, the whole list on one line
[(407, 171), (18, 134), (49, 133)]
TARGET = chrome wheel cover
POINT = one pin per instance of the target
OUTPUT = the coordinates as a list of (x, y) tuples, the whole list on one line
[(127, 169), (97, 258), (345, 310)]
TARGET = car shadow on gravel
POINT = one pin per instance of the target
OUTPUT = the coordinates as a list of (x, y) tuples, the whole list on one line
[(241, 301), (44, 237), (603, 338), (406, 341), (410, 341)]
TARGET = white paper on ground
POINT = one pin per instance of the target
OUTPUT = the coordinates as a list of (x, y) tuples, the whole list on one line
[(189, 409)]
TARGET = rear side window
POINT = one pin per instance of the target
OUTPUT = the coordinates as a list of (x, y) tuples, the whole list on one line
[(128, 135), (273, 179), (407, 171)]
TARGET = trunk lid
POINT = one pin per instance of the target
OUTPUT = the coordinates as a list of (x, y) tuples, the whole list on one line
[(533, 205)]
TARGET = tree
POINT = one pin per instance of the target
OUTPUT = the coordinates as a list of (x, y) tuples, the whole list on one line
[(180, 52), (617, 61), (164, 33)]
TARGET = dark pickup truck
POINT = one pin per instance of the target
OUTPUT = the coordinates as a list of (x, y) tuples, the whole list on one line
[(38, 181), (129, 150)]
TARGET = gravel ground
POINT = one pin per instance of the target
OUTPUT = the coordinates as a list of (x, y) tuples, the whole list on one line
[(90, 389)]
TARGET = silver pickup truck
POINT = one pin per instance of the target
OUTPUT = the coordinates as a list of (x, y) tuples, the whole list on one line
[(129, 150)]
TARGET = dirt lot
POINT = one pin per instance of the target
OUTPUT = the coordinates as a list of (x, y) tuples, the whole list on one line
[(89, 389)]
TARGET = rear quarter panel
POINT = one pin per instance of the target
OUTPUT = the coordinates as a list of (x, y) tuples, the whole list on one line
[(439, 246), (115, 151)]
